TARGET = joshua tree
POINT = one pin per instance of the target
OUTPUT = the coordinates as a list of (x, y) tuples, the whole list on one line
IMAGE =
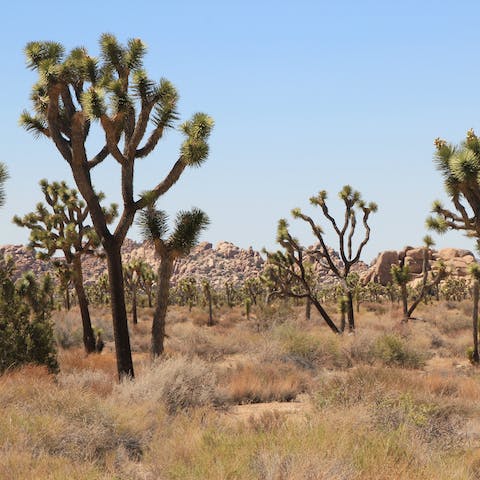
[(77, 90), (133, 273), (3, 178), (148, 279), (185, 234), (207, 295), (293, 270), (61, 226), (475, 273), (460, 168), (188, 291), (401, 276)]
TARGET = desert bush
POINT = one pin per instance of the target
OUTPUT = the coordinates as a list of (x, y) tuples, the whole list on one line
[(209, 344), (310, 350), (180, 383), (97, 381), (68, 326), (393, 350), (265, 382), (25, 325), (432, 423), (268, 315)]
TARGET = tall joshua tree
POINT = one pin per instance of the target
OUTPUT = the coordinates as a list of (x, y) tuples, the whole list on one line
[(460, 169), (186, 231), (76, 90), (293, 269), (61, 225)]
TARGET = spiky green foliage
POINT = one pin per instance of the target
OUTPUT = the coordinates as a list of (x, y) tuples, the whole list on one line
[(460, 168), (186, 231), (25, 307), (400, 274), (3, 179), (62, 223)]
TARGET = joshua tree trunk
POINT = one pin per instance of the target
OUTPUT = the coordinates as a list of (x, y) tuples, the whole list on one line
[(325, 315), (476, 288), (88, 336), (351, 318), (134, 306), (308, 309), (210, 309), (119, 312), (403, 288), (67, 298), (158, 326)]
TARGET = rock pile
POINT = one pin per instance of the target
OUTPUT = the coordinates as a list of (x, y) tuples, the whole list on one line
[(456, 260), (225, 262)]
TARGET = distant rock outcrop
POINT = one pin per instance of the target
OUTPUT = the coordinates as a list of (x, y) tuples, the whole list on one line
[(456, 260), (227, 262)]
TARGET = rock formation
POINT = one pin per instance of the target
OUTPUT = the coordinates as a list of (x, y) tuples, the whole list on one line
[(456, 261), (227, 262)]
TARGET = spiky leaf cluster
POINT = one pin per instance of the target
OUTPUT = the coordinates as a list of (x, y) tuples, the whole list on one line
[(3, 179), (25, 326), (460, 169), (61, 224), (186, 230)]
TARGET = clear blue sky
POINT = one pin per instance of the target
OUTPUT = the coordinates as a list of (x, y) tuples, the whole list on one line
[(306, 95)]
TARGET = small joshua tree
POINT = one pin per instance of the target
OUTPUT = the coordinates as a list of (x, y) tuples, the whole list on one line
[(133, 273), (207, 295), (61, 225), (148, 280), (293, 270), (401, 276), (186, 231)]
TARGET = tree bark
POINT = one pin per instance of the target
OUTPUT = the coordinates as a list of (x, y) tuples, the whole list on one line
[(403, 288), (325, 315), (308, 308), (350, 313), (476, 288), (67, 298), (165, 271), (134, 305), (210, 309), (88, 336), (119, 311)]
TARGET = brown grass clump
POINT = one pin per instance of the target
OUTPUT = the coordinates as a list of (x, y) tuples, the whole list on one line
[(254, 383), (76, 359), (180, 384)]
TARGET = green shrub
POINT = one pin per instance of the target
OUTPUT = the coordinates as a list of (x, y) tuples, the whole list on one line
[(392, 350), (26, 334)]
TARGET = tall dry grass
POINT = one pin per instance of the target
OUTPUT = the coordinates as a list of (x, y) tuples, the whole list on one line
[(390, 402)]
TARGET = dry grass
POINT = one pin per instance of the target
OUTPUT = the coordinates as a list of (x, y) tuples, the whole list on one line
[(271, 382), (390, 402)]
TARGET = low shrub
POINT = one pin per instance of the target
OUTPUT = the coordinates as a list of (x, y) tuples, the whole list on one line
[(392, 350), (180, 383)]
